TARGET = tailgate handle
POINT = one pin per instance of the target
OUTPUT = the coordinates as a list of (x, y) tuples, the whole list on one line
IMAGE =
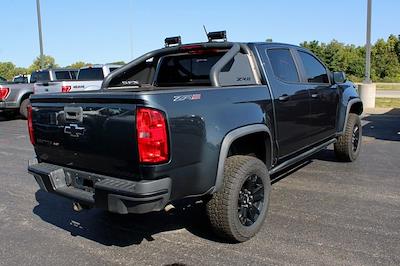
[(73, 113)]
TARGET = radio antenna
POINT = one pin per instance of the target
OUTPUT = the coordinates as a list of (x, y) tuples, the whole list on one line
[(205, 30)]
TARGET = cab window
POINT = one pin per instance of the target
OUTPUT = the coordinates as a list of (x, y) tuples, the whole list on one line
[(283, 65)]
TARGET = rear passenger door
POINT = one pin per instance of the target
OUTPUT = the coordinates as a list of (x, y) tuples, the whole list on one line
[(291, 99), (324, 96)]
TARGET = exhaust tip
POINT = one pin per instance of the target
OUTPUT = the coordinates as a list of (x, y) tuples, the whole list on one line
[(169, 208), (77, 207)]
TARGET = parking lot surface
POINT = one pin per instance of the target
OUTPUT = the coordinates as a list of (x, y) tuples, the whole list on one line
[(325, 212)]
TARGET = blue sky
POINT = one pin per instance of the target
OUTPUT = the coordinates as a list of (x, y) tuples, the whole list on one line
[(98, 31)]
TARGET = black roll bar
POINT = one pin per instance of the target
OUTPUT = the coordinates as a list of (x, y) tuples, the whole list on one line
[(235, 48)]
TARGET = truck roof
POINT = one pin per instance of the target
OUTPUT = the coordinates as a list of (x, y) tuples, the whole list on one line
[(101, 65), (57, 69)]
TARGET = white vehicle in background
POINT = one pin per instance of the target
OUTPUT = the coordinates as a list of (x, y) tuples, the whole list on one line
[(89, 78), (14, 95), (22, 79)]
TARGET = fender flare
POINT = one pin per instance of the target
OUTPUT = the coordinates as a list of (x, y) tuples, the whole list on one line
[(228, 140), (349, 105)]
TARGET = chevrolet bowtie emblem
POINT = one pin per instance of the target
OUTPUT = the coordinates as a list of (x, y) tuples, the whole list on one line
[(74, 130)]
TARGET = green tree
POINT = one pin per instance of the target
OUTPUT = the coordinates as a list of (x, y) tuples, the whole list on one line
[(49, 62), (7, 70), (78, 65), (21, 70), (315, 47), (385, 63), (118, 63)]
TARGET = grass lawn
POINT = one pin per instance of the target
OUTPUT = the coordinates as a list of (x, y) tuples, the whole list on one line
[(387, 102), (388, 86), (385, 86)]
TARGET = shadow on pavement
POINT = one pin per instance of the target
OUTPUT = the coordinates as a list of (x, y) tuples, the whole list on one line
[(120, 230), (7, 116), (383, 126)]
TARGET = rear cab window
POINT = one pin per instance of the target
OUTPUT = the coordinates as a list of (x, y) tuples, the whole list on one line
[(73, 74), (21, 79), (91, 73), (40, 76), (60, 75), (176, 70)]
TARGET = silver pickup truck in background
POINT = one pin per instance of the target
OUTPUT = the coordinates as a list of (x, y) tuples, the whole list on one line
[(89, 78), (14, 96)]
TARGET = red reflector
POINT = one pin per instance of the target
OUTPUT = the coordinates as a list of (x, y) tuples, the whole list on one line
[(65, 88), (30, 125), (191, 47), (4, 91), (152, 136)]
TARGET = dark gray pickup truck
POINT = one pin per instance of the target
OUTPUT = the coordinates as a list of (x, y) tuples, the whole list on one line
[(213, 121)]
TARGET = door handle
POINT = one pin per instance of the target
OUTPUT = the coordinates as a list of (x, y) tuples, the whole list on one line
[(283, 98), (315, 95)]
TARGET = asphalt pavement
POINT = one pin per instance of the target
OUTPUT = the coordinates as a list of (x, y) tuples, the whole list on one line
[(325, 212)]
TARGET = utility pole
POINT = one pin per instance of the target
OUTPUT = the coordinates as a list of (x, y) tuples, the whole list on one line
[(367, 78), (40, 33), (367, 89), (130, 28)]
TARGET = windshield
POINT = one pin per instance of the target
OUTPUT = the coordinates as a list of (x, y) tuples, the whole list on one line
[(91, 74)]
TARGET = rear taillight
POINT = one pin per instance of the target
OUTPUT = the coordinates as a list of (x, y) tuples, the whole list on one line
[(4, 91), (30, 125), (152, 136), (65, 88)]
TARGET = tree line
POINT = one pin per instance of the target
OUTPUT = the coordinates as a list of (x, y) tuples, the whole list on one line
[(385, 60)]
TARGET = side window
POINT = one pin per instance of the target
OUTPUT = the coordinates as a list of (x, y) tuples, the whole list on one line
[(315, 71), (283, 64)]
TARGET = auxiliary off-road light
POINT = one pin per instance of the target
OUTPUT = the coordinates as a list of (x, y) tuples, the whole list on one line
[(170, 41), (217, 35)]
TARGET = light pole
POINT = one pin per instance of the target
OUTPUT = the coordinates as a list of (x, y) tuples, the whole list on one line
[(40, 33), (367, 78), (367, 89)]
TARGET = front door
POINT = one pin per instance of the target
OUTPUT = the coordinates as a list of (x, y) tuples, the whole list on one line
[(324, 96)]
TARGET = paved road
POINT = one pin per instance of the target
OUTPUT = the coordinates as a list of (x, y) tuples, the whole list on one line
[(388, 93), (324, 213)]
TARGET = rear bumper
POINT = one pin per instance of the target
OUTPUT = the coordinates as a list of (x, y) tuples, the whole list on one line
[(113, 194), (8, 105)]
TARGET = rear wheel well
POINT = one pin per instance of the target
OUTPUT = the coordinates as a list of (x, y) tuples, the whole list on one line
[(25, 96), (255, 144)]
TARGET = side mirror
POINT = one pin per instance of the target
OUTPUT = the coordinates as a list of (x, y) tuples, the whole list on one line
[(339, 77)]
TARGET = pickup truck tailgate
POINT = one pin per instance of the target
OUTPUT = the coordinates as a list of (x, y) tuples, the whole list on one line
[(87, 131), (47, 87)]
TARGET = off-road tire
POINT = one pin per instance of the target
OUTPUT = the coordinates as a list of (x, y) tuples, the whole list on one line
[(344, 147), (23, 108), (222, 208)]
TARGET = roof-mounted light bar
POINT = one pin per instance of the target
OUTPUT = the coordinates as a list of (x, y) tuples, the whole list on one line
[(172, 41), (217, 35)]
